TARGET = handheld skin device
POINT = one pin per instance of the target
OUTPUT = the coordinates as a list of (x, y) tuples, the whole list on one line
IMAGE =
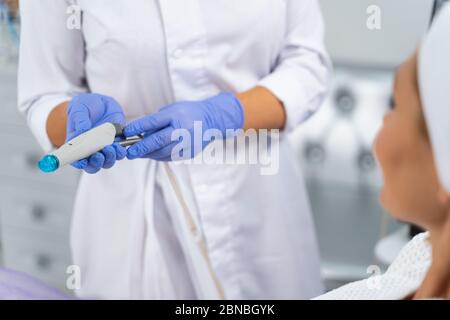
[(85, 145)]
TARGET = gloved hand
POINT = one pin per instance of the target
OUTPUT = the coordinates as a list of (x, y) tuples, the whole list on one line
[(87, 111), (220, 112)]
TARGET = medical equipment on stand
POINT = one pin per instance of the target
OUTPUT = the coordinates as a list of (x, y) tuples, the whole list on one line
[(85, 145)]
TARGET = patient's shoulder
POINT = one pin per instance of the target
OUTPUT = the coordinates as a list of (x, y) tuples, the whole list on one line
[(400, 280)]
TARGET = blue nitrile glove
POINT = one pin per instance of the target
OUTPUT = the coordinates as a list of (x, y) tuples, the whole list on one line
[(220, 112), (87, 111)]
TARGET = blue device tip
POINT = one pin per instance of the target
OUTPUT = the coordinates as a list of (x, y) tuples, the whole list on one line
[(49, 163)]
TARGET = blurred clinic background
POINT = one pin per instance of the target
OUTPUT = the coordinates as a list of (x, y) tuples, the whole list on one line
[(333, 148)]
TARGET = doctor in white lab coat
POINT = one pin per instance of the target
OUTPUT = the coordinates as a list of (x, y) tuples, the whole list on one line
[(155, 230)]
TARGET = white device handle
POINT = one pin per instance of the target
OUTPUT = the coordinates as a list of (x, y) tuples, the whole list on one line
[(86, 144)]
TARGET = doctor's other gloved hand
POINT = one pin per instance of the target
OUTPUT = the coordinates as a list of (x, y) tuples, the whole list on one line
[(222, 113), (87, 111)]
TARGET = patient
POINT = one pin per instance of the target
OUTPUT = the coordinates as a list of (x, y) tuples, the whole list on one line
[(413, 150)]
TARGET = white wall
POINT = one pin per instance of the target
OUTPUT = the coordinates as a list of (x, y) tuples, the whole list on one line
[(350, 42)]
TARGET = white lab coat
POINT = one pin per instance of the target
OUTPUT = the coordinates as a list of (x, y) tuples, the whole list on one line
[(130, 233)]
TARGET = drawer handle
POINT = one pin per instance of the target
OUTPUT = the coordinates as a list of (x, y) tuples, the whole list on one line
[(38, 213), (43, 261)]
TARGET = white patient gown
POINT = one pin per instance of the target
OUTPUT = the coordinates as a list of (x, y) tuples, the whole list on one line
[(400, 281)]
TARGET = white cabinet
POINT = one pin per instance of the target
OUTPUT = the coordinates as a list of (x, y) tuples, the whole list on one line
[(43, 255), (35, 208)]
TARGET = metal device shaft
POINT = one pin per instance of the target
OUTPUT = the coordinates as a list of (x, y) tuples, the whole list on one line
[(129, 142)]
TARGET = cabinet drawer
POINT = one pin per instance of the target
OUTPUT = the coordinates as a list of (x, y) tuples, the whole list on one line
[(37, 254), (40, 210), (19, 159)]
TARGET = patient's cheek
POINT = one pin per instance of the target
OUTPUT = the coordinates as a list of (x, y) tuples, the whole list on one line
[(390, 149), (388, 153), (382, 148)]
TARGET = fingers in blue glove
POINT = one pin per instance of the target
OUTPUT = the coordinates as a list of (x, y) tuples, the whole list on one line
[(79, 120), (121, 152), (80, 124), (80, 164), (151, 143), (110, 153), (89, 110), (114, 113), (163, 154), (110, 157), (95, 163), (148, 124)]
